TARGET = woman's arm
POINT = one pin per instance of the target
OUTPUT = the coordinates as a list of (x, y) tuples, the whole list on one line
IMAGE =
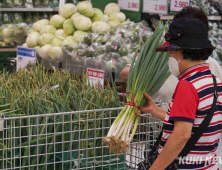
[(174, 145), (152, 108)]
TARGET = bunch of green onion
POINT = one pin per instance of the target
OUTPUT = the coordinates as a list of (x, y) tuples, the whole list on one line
[(39, 92), (148, 74)]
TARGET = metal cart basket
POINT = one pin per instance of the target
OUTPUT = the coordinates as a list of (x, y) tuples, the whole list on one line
[(70, 141)]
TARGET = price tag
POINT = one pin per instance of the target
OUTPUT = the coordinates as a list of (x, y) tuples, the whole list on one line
[(177, 5), (95, 77), (26, 58), (129, 5), (155, 6)]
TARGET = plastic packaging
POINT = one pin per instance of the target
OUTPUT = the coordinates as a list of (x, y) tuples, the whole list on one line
[(17, 18)]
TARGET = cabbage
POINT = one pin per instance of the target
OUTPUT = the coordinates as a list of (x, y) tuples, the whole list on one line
[(67, 10), (79, 36), (114, 23), (85, 8), (68, 27), (105, 18), (118, 16), (43, 51), (57, 21), (70, 41), (98, 15), (82, 23), (60, 34), (111, 8), (32, 39), (37, 26), (25, 45), (100, 27), (37, 48), (45, 39), (48, 29), (57, 42), (56, 54), (75, 15), (8, 31)]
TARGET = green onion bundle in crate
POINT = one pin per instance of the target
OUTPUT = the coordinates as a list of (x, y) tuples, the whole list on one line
[(148, 74), (39, 92)]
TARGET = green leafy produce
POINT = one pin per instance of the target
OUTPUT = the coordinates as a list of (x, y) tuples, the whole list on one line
[(79, 36), (88, 39), (68, 27), (32, 39), (8, 3), (67, 10), (114, 23), (56, 54), (118, 16), (48, 29), (100, 27), (17, 18), (98, 15), (60, 33), (57, 21), (82, 23), (43, 51), (85, 8), (111, 8), (123, 51), (36, 3), (69, 41), (37, 26), (57, 42), (45, 39)]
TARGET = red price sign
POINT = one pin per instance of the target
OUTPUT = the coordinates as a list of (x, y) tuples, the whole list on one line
[(160, 7), (129, 5), (155, 6), (132, 5), (177, 5)]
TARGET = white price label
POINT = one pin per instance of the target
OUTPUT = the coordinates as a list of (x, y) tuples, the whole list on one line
[(155, 6), (26, 58), (177, 5), (95, 77), (129, 5)]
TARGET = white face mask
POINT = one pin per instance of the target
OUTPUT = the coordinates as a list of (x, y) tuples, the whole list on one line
[(174, 66)]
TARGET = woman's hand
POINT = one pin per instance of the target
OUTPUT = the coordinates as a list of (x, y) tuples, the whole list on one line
[(150, 106)]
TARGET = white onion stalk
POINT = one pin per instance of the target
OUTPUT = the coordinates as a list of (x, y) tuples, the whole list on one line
[(148, 75)]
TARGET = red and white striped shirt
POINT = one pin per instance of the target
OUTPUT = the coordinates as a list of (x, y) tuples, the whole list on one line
[(192, 99)]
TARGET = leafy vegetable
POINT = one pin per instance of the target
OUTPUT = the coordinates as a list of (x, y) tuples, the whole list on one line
[(85, 8), (43, 51), (82, 23), (48, 29), (118, 16), (67, 10), (68, 27), (32, 39), (60, 33), (111, 8), (57, 21), (57, 42), (79, 36), (100, 27), (98, 15), (39, 24), (69, 41), (45, 39)]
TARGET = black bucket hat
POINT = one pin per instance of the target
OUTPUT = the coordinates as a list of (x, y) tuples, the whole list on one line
[(186, 33)]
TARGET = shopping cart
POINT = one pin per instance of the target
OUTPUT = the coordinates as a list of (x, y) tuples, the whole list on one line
[(70, 141)]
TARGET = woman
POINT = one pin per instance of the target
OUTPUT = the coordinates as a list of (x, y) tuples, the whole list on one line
[(166, 91), (189, 48)]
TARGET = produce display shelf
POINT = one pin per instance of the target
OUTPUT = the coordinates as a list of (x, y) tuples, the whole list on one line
[(170, 17), (8, 49), (27, 9)]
